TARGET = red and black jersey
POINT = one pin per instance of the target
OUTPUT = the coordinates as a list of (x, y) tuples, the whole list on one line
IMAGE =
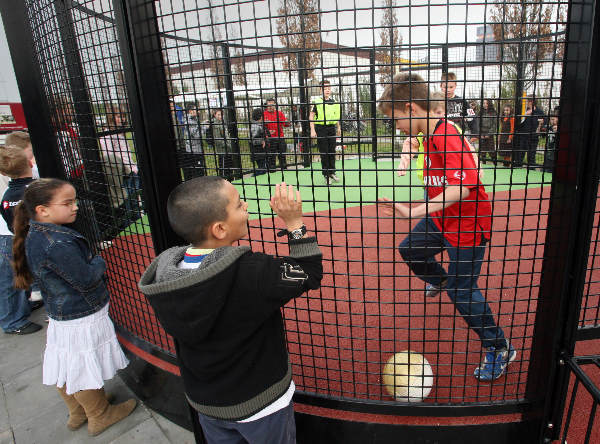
[(449, 161), (12, 197)]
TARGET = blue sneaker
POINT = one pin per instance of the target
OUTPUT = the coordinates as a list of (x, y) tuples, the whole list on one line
[(494, 363), (433, 290)]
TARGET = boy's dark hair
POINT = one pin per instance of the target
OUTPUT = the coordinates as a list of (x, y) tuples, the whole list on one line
[(257, 114), (271, 99), (405, 88), (13, 161), (194, 205), (324, 82), (448, 77), (19, 139)]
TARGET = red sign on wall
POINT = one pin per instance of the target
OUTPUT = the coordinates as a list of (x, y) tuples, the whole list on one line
[(12, 117)]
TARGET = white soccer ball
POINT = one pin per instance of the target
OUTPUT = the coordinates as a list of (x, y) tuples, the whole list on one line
[(408, 377)]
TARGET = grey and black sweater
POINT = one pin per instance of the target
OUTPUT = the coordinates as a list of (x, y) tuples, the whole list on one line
[(225, 317)]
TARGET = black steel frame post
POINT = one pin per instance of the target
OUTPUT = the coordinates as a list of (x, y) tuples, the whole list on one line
[(519, 81), (141, 52), (95, 183), (570, 220), (29, 80), (445, 63), (233, 158), (373, 90), (304, 109)]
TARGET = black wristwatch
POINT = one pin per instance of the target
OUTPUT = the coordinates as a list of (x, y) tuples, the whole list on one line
[(296, 234)]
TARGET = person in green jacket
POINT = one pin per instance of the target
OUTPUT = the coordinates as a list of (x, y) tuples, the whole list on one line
[(325, 127)]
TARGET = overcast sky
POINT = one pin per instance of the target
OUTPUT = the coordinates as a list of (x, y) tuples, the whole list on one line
[(8, 82), (350, 21)]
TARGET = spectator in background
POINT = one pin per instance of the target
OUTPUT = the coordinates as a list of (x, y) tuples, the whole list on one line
[(69, 147), (178, 126), (488, 126), (207, 132), (120, 168), (528, 134), (22, 140), (551, 142), (324, 119), (275, 121), (14, 305), (507, 131), (457, 108), (222, 145), (68, 139), (193, 156), (258, 136)]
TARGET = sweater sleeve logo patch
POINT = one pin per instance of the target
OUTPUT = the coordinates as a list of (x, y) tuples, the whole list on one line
[(292, 273)]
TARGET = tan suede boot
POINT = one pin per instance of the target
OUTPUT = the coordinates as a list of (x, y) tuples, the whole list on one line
[(101, 415), (77, 416)]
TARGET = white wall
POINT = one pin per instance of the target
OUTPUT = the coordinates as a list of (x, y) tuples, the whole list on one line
[(9, 92)]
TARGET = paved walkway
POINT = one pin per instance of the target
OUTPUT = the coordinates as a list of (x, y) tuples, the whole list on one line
[(32, 413)]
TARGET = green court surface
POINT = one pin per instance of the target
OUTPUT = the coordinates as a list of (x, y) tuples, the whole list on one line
[(362, 182)]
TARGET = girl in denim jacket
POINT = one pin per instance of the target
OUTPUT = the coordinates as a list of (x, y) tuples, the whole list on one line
[(82, 350)]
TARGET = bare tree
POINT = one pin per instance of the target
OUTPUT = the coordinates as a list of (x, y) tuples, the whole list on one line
[(532, 25), (298, 27), (238, 64), (389, 56), (215, 61)]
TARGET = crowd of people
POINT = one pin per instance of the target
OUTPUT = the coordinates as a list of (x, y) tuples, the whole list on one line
[(227, 324), (42, 253), (507, 137)]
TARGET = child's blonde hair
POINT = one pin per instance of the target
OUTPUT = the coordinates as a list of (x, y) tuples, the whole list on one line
[(438, 102), (20, 139), (405, 88), (448, 77), (13, 161)]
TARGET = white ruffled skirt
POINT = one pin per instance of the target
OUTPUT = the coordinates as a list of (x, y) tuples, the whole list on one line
[(82, 353)]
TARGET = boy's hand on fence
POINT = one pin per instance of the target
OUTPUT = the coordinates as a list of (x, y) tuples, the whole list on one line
[(404, 164), (393, 209), (287, 204)]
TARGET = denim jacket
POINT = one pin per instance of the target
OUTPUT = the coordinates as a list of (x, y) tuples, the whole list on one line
[(70, 277)]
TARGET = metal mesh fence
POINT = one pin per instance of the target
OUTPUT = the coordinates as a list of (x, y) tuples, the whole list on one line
[(590, 308), (238, 67), (83, 80), (370, 305)]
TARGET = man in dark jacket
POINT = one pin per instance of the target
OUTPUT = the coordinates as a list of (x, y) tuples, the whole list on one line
[(528, 134), (222, 304)]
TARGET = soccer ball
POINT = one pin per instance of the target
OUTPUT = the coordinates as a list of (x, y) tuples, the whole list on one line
[(408, 377)]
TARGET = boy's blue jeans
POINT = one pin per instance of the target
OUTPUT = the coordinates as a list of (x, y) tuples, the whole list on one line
[(277, 428), (419, 248), (14, 303)]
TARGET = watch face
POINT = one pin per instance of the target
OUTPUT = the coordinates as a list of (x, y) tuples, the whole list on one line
[(297, 234)]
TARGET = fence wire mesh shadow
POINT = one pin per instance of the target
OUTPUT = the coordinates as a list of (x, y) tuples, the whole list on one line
[(229, 70)]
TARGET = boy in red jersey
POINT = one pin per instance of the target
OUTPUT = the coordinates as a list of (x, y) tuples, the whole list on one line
[(456, 218), (274, 121)]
